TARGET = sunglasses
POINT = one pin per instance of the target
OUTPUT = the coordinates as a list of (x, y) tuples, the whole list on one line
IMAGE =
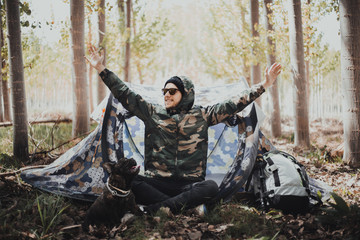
[(172, 91)]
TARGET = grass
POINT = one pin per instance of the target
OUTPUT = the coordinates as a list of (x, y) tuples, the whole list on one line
[(33, 214), (243, 222), (339, 214), (41, 137), (37, 212), (47, 136), (50, 209)]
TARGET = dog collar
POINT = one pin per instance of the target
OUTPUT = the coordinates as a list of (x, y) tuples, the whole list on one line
[(114, 190)]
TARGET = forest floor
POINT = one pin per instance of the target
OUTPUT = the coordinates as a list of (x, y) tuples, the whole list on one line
[(26, 213)]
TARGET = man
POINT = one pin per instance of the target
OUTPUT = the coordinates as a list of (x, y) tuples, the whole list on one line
[(176, 137)]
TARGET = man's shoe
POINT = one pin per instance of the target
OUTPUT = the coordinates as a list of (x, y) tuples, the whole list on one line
[(201, 210)]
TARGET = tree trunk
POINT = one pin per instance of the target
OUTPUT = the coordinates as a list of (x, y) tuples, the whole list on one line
[(255, 68), (101, 88), (20, 144), (350, 74), (5, 88), (137, 62), (81, 119), (1, 95), (127, 44), (271, 59), (307, 64), (246, 68), (90, 74), (298, 74), (121, 15)]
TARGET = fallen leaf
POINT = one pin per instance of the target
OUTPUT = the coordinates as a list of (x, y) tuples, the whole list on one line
[(195, 235)]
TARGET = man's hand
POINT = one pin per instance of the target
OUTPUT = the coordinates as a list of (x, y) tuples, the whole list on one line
[(271, 74), (95, 58)]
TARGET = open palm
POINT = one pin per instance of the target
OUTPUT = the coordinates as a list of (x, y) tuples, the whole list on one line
[(271, 73), (95, 58)]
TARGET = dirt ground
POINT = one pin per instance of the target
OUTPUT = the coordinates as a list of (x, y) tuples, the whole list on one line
[(19, 211)]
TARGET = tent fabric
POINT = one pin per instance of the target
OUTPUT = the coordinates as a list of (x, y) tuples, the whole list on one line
[(78, 173), (232, 151)]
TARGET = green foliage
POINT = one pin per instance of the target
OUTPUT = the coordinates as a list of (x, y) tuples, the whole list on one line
[(159, 222), (321, 155), (47, 136), (340, 205), (146, 35), (50, 207), (136, 231), (31, 45), (229, 54), (42, 138), (8, 162), (146, 41), (6, 136), (242, 221), (340, 214), (213, 216), (24, 10), (318, 157)]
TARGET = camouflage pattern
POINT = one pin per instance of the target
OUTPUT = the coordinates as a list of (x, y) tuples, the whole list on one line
[(176, 140), (78, 173)]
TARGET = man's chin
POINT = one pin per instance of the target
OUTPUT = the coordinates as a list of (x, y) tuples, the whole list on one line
[(169, 107)]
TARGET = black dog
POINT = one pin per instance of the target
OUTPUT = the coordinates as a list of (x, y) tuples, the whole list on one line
[(117, 198)]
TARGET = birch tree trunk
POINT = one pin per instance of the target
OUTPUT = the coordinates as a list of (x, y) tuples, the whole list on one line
[(127, 44), (301, 137), (275, 120), (101, 88), (255, 68), (350, 75), (81, 118), (20, 142)]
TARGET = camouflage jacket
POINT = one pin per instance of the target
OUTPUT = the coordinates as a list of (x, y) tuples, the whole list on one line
[(176, 140)]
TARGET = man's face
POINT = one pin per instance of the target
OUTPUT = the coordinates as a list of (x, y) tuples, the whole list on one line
[(172, 101)]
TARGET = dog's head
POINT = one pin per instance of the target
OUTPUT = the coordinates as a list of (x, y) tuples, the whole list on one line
[(122, 173)]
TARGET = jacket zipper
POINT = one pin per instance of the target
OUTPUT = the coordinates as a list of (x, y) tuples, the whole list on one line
[(177, 145)]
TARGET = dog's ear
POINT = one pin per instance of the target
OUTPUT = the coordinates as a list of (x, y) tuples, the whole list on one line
[(108, 166)]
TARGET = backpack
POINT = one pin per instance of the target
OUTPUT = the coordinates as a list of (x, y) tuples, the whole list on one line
[(279, 181)]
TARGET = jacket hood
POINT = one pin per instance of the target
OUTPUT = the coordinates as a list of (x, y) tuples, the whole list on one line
[(187, 100)]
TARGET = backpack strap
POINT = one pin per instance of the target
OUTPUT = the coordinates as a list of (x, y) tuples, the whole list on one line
[(275, 171)]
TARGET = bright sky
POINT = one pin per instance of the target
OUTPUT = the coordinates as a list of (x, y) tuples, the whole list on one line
[(57, 10), (331, 29)]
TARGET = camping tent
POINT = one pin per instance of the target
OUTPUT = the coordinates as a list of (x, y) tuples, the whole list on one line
[(232, 150)]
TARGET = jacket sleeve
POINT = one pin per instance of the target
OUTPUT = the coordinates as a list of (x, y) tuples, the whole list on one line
[(221, 111), (131, 101)]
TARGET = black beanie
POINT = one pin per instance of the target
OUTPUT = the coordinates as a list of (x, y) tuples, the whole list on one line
[(178, 82)]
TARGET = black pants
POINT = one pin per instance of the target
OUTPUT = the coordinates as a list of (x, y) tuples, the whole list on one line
[(176, 195)]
